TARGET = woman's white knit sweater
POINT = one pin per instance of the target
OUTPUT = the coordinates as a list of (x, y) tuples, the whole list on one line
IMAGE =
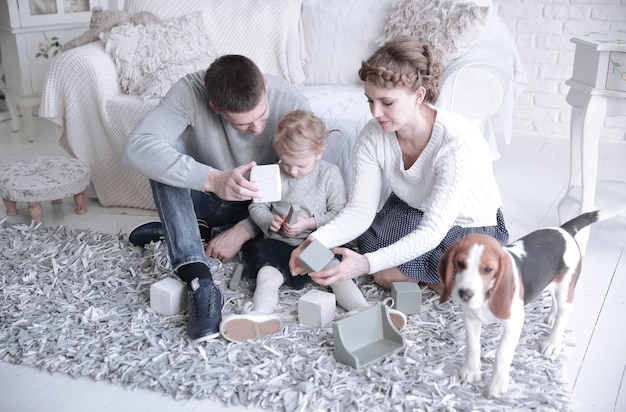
[(451, 182)]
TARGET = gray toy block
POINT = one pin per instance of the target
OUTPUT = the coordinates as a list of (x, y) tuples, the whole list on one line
[(316, 308), (236, 278), (268, 179), (366, 337), (168, 296), (315, 257), (407, 297), (294, 211)]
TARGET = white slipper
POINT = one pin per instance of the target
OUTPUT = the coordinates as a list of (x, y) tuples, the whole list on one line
[(397, 318)]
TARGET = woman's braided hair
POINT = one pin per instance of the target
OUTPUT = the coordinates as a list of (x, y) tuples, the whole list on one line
[(404, 62)]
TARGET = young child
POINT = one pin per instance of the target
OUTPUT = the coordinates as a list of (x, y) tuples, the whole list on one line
[(318, 188)]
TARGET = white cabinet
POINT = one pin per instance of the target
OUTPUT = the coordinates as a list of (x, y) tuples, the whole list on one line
[(31, 32), (44, 12)]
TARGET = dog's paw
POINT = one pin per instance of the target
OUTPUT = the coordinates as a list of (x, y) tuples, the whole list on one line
[(550, 347), (499, 385), (470, 374)]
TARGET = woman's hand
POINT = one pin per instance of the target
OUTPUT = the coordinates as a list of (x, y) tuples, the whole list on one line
[(231, 184), (352, 265), (294, 264)]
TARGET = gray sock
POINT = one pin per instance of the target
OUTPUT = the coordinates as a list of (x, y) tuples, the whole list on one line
[(190, 271)]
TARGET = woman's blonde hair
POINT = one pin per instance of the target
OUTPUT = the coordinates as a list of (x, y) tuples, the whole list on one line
[(300, 133), (404, 62)]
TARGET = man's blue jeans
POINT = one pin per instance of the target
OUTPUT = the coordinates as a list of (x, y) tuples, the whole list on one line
[(179, 210)]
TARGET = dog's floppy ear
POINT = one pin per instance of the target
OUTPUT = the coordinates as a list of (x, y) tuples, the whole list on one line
[(446, 271), (502, 293)]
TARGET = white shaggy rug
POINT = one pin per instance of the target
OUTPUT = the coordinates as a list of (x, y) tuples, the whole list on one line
[(77, 302)]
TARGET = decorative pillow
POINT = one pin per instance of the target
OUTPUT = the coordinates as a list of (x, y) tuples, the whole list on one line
[(340, 34), (149, 58), (449, 26), (268, 32), (102, 21)]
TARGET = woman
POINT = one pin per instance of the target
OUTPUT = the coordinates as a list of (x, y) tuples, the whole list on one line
[(432, 168)]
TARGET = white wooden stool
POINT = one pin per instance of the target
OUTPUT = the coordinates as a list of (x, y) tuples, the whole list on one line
[(43, 178)]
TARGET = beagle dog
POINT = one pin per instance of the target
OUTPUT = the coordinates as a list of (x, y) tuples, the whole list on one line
[(493, 282)]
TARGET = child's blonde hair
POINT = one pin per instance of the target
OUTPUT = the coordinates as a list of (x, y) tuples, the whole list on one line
[(300, 133)]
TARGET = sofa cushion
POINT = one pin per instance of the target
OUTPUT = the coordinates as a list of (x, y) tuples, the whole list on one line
[(338, 35), (165, 9), (268, 32), (451, 27), (151, 57)]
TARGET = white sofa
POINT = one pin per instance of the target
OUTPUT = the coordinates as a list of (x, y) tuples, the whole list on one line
[(317, 44)]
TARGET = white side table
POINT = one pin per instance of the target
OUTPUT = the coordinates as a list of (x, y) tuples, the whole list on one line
[(597, 90)]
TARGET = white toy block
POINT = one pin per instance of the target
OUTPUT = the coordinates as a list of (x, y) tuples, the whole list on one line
[(168, 296), (407, 297), (316, 308), (236, 278), (294, 211), (315, 257), (268, 179)]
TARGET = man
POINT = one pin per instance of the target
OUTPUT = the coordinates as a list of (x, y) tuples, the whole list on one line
[(196, 147)]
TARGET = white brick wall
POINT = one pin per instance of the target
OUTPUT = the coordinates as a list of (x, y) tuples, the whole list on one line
[(542, 30)]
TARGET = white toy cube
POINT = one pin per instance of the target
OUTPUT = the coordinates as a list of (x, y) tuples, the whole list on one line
[(407, 297), (315, 257), (268, 179), (168, 296), (292, 217), (236, 278), (316, 308)]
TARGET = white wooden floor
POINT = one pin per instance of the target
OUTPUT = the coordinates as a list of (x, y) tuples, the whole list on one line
[(532, 174)]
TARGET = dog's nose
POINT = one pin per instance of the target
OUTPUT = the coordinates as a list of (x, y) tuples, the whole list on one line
[(466, 294)]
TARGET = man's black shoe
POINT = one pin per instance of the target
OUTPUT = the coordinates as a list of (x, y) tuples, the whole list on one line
[(205, 310), (146, 233), (153, 232)]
